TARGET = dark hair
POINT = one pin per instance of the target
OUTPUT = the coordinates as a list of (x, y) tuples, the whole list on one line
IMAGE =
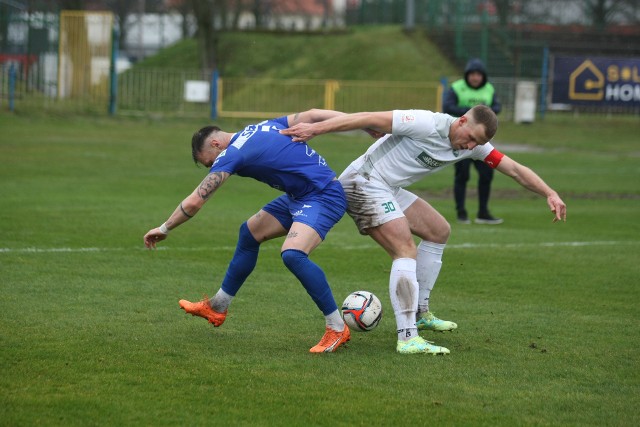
[(199, 138), (485, 116)]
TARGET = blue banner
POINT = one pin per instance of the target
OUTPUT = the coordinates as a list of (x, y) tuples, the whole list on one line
[(597, 82)]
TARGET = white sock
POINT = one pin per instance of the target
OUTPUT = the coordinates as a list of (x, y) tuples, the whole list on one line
[(221, 301), (428, 267), (334, 321), (403, 291)]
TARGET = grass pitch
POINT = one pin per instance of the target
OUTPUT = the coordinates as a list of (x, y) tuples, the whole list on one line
[(91, 333)]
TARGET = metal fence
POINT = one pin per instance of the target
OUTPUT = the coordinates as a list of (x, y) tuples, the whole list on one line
[(158, 92), (241, 97), (165, 93)]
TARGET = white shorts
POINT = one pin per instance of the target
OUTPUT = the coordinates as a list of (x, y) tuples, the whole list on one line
[(372, 202)]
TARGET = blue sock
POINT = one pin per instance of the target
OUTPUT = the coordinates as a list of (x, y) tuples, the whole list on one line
[(312, 278), (243, 262)]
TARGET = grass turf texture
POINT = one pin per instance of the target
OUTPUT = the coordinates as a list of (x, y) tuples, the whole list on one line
[(91, 333), (353, 55)]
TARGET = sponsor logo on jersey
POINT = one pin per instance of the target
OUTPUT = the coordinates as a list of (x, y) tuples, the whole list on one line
[(429, 162), (406, 118), (311, 152)]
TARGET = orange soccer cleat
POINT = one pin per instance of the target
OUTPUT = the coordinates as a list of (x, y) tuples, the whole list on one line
[(204, 310), (331, 340)]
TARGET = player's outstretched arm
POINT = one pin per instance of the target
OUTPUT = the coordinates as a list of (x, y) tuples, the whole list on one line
[(380, 121), (531, 181), (187, 208), (312, 116)]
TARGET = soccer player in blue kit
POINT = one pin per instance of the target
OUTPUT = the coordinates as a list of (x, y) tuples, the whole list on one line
[(313, 203)]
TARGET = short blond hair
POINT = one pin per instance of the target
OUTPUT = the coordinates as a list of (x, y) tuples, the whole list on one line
[(483, 115)]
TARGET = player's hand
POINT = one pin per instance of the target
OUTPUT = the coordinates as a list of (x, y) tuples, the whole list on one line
[(301, 132), (152, 237), (558, 207), (374, 133)]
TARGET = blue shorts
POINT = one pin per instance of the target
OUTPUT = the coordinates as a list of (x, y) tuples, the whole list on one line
[(319, 210)]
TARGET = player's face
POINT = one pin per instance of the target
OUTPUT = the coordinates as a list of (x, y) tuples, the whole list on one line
[(466, 135)]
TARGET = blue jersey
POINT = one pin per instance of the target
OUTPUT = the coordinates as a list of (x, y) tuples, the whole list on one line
[(261, 152)]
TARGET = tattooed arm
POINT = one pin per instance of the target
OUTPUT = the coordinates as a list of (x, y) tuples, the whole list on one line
[(187, 208)]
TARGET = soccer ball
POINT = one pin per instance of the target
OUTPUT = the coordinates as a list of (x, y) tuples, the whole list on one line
[(362, 311)]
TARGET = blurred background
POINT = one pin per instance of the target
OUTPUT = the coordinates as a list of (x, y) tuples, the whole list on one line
[(207, 57)]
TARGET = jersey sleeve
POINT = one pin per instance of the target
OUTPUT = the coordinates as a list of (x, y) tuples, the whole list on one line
[(488, 154), (415, 124)]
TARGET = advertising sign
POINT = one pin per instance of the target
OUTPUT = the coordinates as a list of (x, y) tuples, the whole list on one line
[(196, 91), (598, 82)]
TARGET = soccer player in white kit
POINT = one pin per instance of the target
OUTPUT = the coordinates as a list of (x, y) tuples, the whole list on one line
[(417, 143)]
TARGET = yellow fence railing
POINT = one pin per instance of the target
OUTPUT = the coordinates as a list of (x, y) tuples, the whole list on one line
[(263, 98), (162, 91)]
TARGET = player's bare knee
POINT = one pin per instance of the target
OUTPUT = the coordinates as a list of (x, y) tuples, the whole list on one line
[(443, 232), (438, 232)]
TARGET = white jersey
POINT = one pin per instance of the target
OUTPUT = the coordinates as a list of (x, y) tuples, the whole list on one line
[(419, 145)]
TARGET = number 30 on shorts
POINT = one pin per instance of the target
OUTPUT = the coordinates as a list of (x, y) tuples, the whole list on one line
[(388, 207)]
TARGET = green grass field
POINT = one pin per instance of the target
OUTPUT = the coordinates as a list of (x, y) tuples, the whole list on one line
[(91, 333)]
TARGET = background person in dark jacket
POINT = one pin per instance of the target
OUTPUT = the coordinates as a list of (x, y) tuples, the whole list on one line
[(463, 94)]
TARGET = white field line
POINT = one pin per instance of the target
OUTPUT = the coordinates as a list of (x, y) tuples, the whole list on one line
[(370, 245)]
